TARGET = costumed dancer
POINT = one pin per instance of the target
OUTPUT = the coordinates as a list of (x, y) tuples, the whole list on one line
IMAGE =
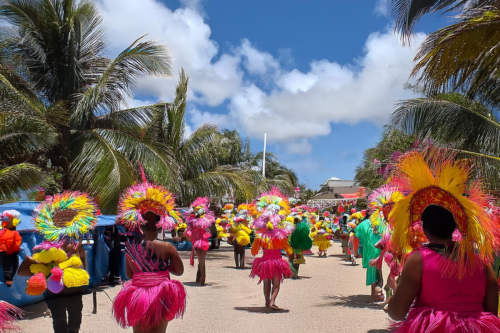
[(272, 237), (58, 265), (381, 201), (199, 218), (240, 232), (151, 298), (299, 241), (445, 285), (10, 244), (320, 235), (9, 314)]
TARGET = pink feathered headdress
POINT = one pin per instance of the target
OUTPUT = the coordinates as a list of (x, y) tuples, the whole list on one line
[(199, 215)]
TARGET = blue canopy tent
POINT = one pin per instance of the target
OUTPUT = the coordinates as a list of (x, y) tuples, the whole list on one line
[(96, 251)]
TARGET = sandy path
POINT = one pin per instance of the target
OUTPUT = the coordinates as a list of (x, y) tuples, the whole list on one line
[(331, 296)]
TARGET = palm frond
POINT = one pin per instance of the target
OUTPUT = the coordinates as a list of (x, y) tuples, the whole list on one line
[(21, 136), (99, 169), (450, 119), (116, 83), (176, 110), (18, 178), (133, 120), (463, 55), (408, 12)]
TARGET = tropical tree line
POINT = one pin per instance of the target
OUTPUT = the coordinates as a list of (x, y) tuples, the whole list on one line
[(65, 122), (457, 70)]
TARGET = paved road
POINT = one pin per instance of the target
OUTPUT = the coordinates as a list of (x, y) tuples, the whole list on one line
[(330, 297)]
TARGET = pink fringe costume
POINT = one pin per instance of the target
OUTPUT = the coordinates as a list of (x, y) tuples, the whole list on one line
[(447, 304), (199, 218), (8, 317), (151, 297)]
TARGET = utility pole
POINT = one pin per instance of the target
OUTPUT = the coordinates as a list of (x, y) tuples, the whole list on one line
[(264, 157)]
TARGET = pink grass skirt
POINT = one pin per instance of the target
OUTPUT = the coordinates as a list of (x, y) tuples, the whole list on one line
[(270, 265), (8, 317), (149, 299), (428, 320)]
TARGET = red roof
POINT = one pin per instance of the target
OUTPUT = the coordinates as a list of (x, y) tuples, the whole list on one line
[(350, 195)]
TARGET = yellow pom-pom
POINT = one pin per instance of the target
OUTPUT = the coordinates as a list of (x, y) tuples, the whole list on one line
[(74, 261), (40, 268), (52, 255), (75, 277), (270, 226)]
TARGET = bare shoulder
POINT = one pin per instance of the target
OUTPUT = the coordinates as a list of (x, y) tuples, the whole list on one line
[(414, 264), (164, 247)]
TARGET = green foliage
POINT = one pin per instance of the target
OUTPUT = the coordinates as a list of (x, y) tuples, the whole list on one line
[(454, 120), (371, 175)]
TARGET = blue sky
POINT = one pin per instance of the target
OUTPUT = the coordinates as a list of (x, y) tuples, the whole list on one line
[(320, 77)]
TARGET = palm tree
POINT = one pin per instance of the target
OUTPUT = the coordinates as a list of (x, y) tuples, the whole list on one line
[(463, 56), (206, 162), (55, 50), (276, 174), (452, 119)]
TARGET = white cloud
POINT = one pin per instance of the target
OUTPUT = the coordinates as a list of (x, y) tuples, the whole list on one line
[(302, 147), (382, 8), (262, 96)]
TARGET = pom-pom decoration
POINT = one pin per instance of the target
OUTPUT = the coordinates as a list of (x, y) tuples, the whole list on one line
[(36, 285), (70, 214), (53, 255), (437, 177)]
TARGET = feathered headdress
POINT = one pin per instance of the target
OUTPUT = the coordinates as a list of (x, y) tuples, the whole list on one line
[(382, 201), (438, 178), (248, 210), (199, 215), (275, 208), (143, 197), (69, 214)]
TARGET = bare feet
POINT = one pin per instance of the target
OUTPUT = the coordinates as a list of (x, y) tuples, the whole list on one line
[(268, 304), (275, 307)]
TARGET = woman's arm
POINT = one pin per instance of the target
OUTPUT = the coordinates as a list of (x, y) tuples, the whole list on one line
[(490, 302), (169, 253), (24, 269), (408, 287)]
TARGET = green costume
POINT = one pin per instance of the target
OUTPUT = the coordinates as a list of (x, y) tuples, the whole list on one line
[(368, 239)]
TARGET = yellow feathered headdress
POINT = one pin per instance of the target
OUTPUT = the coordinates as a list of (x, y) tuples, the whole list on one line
[(438, 178)]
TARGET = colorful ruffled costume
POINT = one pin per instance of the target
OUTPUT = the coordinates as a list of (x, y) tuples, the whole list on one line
[(453, 286), (299, 239), (199, 218), (150, 297), (272, 237), (63, 216), (8, 317), (240, 230), (321, 235)]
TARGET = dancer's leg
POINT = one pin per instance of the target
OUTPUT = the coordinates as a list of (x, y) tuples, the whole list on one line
[(267, 292), (236, 257), (201, 265), (276, 290)]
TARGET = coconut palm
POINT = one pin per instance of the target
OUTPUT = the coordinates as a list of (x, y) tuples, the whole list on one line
[(201, 164), (453, 119), (463, 56), (57, 47)]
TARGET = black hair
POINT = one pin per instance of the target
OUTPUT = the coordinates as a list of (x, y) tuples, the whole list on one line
[(438, 222), (321, 218)]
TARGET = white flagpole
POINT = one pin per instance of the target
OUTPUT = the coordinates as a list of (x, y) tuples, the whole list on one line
[(264, 157)]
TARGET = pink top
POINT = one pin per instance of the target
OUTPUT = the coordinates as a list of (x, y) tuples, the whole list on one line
[(443, 293)]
